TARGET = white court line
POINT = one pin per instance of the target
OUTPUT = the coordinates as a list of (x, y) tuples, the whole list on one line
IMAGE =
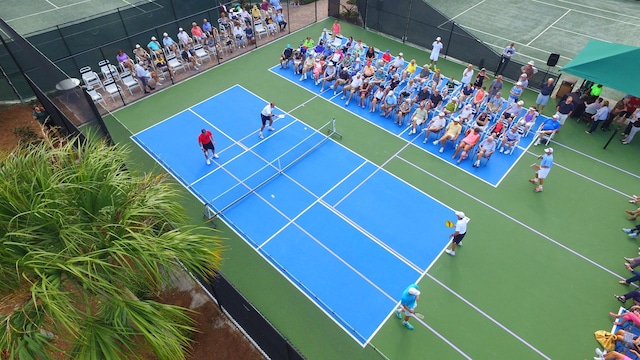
[(580, 34), (597, 160), (464, 12), (460, 297), (47, 11), (548, 27), (482, 202), (52, 4), (591, 14)]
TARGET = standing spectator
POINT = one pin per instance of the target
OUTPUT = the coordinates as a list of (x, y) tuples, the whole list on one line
[(467, 75), (206, 142), (459, 233), (436, 47), (546, 162), (408, 303), (619, 110), (601, 115), (336, 28), (496, 86), (276, 4), (144, 77), (505, 57), (516, 92), (529, 69), (487, 148), (632, 128), (481, 78), (545, 93), (565, 109), (267, 115)]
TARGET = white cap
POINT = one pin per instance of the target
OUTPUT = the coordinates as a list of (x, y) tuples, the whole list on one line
[(414, 292), (520, 102), (519, 83), (455, 98), (456, 119), (549, 150), (441, 114), (165, 34), (555, 116), (460, 214), (180, 29), (523, 75), (531, 63), (400, 54), (438, 38), (137, 46), (153, 38)]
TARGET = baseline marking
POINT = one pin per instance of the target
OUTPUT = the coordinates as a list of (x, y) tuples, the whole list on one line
[(46, 11), (548, 27)]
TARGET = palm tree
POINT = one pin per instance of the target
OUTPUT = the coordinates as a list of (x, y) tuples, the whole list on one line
[(83, 242)]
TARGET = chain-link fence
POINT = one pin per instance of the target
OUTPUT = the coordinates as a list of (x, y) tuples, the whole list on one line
[(416, 22)]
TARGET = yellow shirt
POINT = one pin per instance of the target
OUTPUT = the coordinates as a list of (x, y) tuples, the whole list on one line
[(411, 68), (453, 129)]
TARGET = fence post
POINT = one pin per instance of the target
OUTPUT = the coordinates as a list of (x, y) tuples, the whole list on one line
[(446, 51)]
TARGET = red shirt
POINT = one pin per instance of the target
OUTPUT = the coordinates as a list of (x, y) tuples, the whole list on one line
[(204, 138), (196, 31), (386, 57)]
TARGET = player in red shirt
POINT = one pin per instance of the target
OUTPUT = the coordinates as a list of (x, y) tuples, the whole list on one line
[(206, 142)]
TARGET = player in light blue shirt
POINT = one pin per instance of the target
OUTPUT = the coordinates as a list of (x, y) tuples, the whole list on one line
[(546, 162), (408, 303)]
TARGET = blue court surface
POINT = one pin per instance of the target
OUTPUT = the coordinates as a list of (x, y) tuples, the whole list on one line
[(494, 171), (312, 208)]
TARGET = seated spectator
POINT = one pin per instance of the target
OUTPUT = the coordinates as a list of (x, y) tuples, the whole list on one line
[(358, 48), (142, 54), (161, 64), (308, 43), (328, 51), (298, 60), (495, 104), (154, 46), (634, 215), (188, 55), (330, 74), (418, 118), (226, 22), (271, 24), (248, 35), (379, 77), (246, 17), (509, 140), (308, 65), (634, 294), (370, 54), (515, 92), (471, 138), (368, 69), (408, 90), (435, 100), (482, 121), (451, 107), (386, 57), (636, 274), (422, 96), (424, 73), (183, 37), (318, 69), (410, 69), (144, 76), (529, 118), (276, 5), (479, 98), (347, 60), (337, 57), (548, 127), (197, 33), (394, 82), (633, 315), (352, 88), (239, 35), (514, 109), (487, 148), (435, 125), (343, 78), (452, 131), (603, 355), (397, 63), (319, 49), (403, 110), (124, 59), (389, 103), (287, 55), (466, 114), (466, 92), (378, 96), (279, 19), (169, 43), (365, 89), (436, 80), (207, 28)]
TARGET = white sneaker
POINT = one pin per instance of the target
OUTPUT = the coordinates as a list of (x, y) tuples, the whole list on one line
[(343, 97), (633, 236), (600, 352), (628, 231), (215, 156), (536, 143), (477, 163), (501, 150), (159, 84), (271, 128), (435, 142), (441, 150), (261, 136), (452, 253), (301, 78), (208, 161), (347, 103), (508, 151)]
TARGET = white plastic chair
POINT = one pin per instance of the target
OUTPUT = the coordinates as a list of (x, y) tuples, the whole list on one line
[(175, 63), (112, 89), (90, 78), (96, 96), (201, 53), (260, 29), (130, 82), (108, 70)]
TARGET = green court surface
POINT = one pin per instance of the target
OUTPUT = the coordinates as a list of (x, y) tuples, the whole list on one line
[(537, 271), (541, 27)]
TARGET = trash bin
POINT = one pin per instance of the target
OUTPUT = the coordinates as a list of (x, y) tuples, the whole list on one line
[(565, 88)]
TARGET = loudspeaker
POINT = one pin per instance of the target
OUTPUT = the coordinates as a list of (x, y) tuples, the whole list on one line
[(553, 59)]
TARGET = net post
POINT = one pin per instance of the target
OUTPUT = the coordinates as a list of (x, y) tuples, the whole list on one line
[(209, 215), (333, 129)]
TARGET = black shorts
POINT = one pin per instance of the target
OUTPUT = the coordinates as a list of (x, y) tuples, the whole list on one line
[(458, 238), (265, 119), (208, 146)]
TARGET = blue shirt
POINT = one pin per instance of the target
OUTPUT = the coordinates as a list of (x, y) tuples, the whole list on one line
[(550, 124), (207, 26), (407, 299), (547, 161), (391, 99)]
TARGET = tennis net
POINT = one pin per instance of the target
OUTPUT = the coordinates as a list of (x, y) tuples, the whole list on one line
[(247, 185)]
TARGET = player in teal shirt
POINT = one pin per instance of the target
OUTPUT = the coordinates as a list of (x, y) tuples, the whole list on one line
[(408, 303)]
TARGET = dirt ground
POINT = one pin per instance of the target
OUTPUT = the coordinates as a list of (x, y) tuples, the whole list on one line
[(12, 117)]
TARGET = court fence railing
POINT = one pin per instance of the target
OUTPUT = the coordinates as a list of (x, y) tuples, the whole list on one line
[(85, 42), (416, 22)]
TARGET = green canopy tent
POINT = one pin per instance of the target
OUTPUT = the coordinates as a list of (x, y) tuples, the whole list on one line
[(610, 64)]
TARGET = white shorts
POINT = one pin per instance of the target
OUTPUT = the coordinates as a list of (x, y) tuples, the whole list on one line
[(542, 173)]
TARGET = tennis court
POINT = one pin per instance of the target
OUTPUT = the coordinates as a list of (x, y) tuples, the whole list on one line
[(529, 262), (275, 191)]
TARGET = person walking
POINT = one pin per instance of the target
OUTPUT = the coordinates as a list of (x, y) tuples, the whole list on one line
[(459, 233), (505, 57), (206, 142), (267, 115), (436, 47), (408, 303), (542, 170)]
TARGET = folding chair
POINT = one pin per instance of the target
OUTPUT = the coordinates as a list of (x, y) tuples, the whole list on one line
[(96, 97), (260, 28), (90, 78), (130, 82), (175, 63), (108, 70), (112, 89), (201, 53)]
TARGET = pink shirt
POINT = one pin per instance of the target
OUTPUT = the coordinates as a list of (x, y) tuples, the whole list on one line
[(471, 138), (336, 29)]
